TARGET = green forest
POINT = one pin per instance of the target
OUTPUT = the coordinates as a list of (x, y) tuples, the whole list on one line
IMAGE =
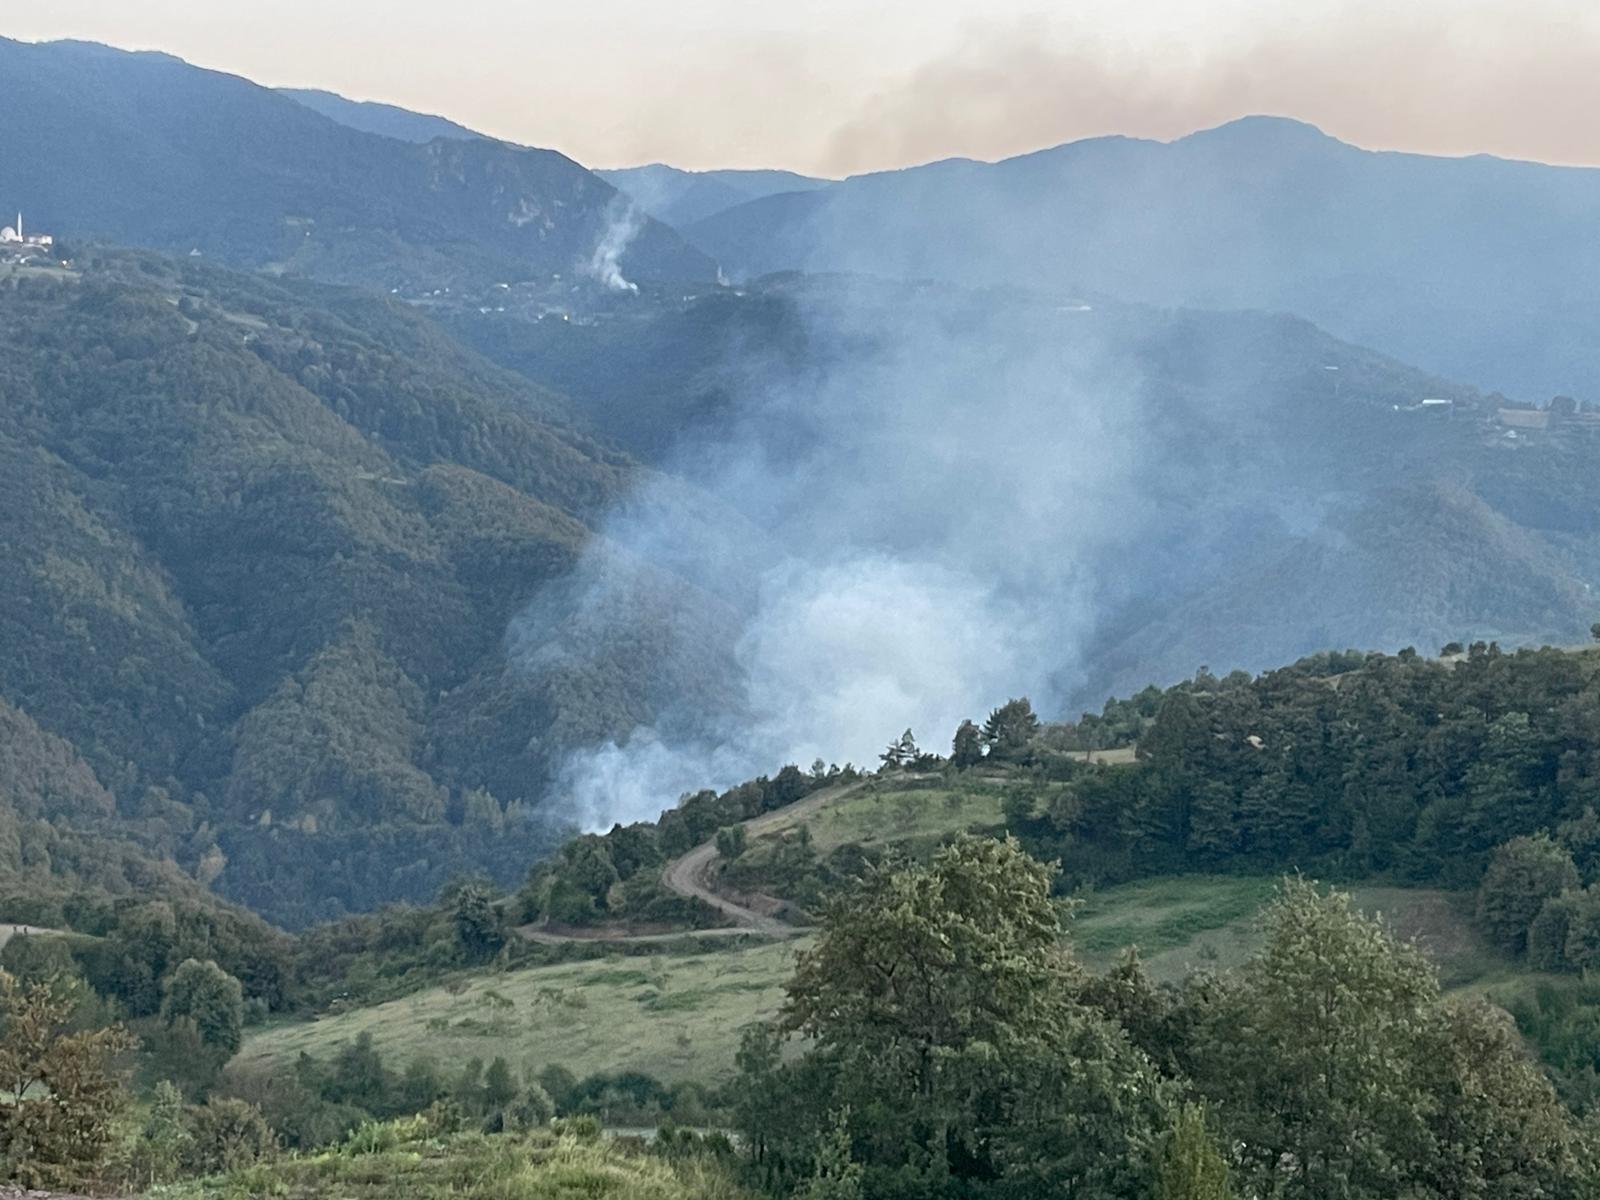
[(937, 1034), (264, 541)]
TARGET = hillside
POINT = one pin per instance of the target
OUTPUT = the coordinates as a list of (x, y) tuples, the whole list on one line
[(386, 120), (306, 583), (266, 541), (146, 150), (1419, 257), (681, 198), (1403, 777), (1177, 487)]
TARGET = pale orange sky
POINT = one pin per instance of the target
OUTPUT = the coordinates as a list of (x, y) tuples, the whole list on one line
[(838, 86)]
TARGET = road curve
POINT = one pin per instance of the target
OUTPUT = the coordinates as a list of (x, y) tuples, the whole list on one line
[(691, 875)]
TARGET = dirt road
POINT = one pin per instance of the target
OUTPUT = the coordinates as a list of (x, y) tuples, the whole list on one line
[(691, 875)]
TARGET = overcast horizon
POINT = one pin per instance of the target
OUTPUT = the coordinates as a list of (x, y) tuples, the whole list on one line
[(821, 89)]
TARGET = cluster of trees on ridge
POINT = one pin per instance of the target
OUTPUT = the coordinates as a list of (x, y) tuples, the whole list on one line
[(1350, 765)]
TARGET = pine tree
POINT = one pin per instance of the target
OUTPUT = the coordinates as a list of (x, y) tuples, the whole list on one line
[(966, 750), (1189, 1166)]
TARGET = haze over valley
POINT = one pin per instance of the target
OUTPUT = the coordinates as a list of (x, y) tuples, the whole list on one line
[(435, 570)]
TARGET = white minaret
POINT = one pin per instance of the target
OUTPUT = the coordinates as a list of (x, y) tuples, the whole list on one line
[(20, 236)]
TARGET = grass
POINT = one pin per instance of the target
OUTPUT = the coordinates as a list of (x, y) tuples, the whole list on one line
[(890, 813), (1177, 922), (1184, 922), (673, 1016), (678, 1016), (540, 1166)]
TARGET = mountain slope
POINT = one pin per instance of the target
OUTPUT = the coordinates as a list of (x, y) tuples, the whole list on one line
[(263, 543), (1174, 487), (147, 150), (1478, 268), (681, 197), (386, 120)]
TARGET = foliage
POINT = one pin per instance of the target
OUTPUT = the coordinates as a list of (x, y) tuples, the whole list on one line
[(207, 995), (1523, 874), (165, 1138), (373, 504), (478, 924), (1312, 1051), (60, 1094), (581, 885), (1391, 764), (835, 1175), (227, 1135), (939, 1006), (1190, 1166), (966, 748), (1010, 728)]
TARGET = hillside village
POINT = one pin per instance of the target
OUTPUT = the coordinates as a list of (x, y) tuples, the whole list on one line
[(19, 247)]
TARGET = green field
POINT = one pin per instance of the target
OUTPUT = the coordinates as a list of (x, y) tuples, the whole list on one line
[(678, 1016), (1177, 922), (1210, 921), (673, 1016), (890, 812)]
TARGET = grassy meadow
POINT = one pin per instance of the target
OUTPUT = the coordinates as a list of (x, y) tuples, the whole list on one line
[(400, 1160), (677, 1016), (674, 1016), (894, 813)]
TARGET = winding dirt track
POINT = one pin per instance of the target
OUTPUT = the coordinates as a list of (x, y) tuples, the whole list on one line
[(691, 876)]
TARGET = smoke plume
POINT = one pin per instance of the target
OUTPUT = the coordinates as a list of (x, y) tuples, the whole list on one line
[(624, 220), (921, 513)]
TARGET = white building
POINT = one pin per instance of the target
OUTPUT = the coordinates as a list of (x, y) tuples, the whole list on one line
[(13, 235)]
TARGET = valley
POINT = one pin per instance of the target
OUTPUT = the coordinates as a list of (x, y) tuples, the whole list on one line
[(1069, 675)]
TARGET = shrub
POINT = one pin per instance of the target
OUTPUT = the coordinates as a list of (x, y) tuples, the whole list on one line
[(585, 1128), (227, 1135)]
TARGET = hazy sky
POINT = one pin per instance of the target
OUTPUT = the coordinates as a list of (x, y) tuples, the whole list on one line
[(836, 86)]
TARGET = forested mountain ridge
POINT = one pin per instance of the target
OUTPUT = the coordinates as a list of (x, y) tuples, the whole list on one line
[(147, 150), (273, 536), (264, 542), (1477, 268)]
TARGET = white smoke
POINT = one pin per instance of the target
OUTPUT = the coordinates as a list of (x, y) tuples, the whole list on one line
[(921, 517), (624, 220)]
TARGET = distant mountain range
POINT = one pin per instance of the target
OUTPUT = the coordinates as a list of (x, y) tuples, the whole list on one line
[(681, 198), (311, 592), (669, 194), (1479, 268), (146, 150)]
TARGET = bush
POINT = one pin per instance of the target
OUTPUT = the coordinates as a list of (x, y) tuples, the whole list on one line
[(163, 1142), (227, 1135), (533, 1107), (1524, 873), (585, 1128), (731, 841)]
